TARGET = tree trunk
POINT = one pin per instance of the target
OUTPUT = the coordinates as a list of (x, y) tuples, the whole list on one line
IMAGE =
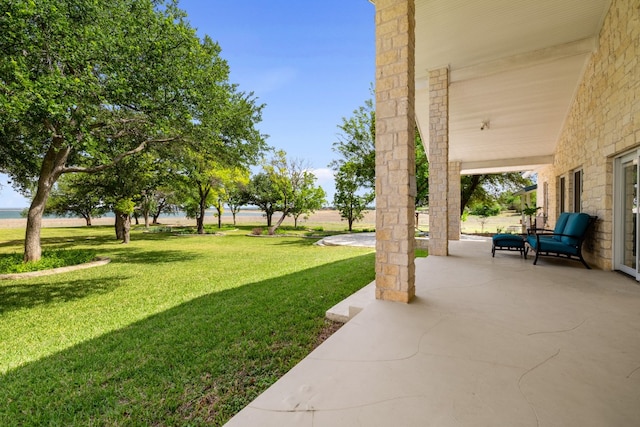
[(87, 219), (123, 226), (32, 248), (200, 219), (234, 218), (119, 226), (272, 230), (126, 228), (203, 191), (146, 219), (468, 191), (52, 166)]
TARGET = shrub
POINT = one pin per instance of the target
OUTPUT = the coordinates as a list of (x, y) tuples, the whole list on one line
[(257, 231), (12, 263), (485, 210)]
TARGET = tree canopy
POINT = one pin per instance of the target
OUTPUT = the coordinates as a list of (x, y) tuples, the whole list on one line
[(87, 83)]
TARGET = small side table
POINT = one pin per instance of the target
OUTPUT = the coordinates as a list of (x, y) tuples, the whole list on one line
[(508, 242)]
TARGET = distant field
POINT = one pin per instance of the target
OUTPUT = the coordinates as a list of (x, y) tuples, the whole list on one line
[(329, 219)]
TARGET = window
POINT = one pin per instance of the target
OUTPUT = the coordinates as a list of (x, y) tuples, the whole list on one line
[(577, 191)]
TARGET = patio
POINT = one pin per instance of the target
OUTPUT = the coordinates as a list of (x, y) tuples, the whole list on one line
[(485, 342)]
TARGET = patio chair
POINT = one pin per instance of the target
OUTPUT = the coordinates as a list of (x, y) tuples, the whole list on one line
[(565, 241)]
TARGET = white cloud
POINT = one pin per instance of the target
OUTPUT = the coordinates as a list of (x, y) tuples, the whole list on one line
[(327, 181), (323, 174)]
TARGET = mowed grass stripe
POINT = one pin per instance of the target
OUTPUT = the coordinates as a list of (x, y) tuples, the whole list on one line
[(174, 330)]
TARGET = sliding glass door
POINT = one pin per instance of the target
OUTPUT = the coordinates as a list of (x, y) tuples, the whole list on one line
[(626, 215)]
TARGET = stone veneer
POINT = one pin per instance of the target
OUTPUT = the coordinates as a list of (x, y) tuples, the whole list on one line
[(455, 200), (439, 162), (395, 150), (603, 122)]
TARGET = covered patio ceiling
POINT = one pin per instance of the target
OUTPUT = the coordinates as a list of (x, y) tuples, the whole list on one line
[(514, 64)]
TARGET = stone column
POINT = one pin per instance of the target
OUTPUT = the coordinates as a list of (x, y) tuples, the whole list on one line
[(395, 150), (439, 162), (455, 200)]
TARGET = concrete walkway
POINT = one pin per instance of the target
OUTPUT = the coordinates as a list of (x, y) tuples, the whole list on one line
[(486, 342)]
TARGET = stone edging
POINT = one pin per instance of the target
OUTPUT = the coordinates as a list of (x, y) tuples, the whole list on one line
[(95, 263)]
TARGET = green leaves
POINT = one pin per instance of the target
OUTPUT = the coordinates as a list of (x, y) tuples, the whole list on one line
[(86, 83)]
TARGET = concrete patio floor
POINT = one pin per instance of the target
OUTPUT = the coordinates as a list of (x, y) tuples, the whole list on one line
[(486, 342)]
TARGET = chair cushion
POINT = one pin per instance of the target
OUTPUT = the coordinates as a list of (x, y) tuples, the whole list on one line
[(533, 242), (561, 224), (551, 245), (508, 240), (576, 226)]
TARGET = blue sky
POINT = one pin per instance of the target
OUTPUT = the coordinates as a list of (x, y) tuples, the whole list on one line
[(310, 62)]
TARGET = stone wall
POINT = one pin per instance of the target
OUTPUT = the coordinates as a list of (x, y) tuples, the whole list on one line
[(603, 122), (439, 162), (395, 150)]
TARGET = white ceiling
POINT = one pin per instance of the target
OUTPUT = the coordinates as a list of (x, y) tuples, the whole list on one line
[(514, 63)]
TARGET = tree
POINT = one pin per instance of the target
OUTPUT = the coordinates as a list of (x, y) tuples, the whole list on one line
[(86, 84), (227, 180), (356, 144), (485, 189), (238, 197), (166, 202), (123, 209), (73, 195), (295, 187), (349, 198), (307, 198), (422, 173), (130, 180), (262, 192)]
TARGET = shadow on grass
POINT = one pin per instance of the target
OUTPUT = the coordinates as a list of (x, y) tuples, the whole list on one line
[(87, 235), (198, 363), (129, 255), (24, 296)]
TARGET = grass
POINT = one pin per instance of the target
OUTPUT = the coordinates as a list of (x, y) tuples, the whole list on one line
[(175, 330)]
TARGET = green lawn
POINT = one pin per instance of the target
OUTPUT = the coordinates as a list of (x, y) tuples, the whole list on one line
[(176, 330)]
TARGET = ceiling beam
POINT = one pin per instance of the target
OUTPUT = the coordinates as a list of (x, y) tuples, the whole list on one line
[(505, 165)]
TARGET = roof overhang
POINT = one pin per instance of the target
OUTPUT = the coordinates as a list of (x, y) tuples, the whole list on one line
[(515, 66)]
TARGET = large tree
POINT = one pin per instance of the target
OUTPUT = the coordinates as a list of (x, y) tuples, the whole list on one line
[(262, 193), (307, 198), (84, 84), (74, 195), (350, 199), (295, 186), (356, 144), (485, 189)]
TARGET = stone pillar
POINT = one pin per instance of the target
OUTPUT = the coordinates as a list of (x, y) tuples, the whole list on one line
[(439, 162), (395, 150), (455, 200)]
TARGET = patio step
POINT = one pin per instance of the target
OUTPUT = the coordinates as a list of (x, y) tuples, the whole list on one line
[(346, 309)]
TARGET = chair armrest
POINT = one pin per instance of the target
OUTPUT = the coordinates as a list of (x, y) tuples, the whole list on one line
[(531, 231)]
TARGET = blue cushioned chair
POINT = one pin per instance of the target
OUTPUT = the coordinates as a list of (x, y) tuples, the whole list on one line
[(565, 240)]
